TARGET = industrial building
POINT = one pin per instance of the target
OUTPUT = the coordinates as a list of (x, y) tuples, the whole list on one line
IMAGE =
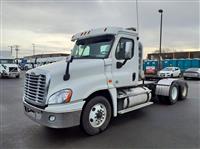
[(174, 55)]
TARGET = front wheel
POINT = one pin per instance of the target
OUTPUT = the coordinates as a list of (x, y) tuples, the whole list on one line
[(17, 76), (96, 115)]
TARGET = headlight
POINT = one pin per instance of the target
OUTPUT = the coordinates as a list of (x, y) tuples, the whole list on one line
[(63, 96)]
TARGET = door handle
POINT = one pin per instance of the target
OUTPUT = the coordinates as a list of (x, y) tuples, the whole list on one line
[(133, 76)]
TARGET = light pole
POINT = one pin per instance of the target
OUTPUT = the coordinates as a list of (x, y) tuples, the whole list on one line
[(160, 47), (33, 49), (11, 49), (17, 50)]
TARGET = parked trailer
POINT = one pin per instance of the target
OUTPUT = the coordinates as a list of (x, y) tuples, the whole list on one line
[(102, 79), (150, 67)]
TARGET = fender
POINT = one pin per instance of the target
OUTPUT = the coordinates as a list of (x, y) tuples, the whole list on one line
[(163, 86), (113, 93)]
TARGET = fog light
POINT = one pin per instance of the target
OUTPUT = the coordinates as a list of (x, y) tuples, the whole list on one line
[(52, 118)]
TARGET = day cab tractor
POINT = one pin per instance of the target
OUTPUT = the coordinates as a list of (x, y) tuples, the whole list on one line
[(8, 67), (102, 78)]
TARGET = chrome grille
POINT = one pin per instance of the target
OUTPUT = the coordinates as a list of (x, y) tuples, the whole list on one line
[(35, 89)]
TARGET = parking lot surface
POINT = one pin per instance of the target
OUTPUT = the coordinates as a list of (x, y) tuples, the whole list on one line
[(156, 126)]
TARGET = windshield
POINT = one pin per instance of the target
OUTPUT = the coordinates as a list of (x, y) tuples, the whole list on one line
[(168, 69), (7, 61), (95, 47)]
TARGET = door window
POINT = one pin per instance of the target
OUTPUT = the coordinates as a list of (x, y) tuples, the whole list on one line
[(121, 48)]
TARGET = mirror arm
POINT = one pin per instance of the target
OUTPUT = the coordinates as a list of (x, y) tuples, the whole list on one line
[(67, 75), (119, 64)]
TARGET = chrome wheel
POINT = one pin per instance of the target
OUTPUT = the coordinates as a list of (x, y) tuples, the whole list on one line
[(174, 93), (97, 115)]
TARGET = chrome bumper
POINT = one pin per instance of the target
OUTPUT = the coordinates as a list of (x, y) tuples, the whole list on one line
[(62, 120)]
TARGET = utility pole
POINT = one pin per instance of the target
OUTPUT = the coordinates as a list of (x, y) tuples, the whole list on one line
[(160, 47), (33, 49), (17, 50), (11, 49)]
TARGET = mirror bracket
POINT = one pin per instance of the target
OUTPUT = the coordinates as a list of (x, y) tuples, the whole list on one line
[(120, 64)]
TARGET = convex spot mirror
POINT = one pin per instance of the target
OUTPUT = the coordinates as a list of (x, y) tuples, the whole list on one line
[(128, 50)]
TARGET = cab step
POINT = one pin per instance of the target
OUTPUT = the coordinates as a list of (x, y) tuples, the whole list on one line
[(134, 108)]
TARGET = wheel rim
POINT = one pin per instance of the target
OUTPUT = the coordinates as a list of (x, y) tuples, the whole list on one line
[(174, 93), (97, 115)]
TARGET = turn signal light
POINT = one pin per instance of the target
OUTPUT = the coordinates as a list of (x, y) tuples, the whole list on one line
[(68, 96)]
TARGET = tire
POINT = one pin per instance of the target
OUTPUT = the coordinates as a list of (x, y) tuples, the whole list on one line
[(183, 90), (96, 115), (173, 93), (17, 76)]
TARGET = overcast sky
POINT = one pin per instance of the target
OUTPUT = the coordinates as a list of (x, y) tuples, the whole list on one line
[(50, 24)]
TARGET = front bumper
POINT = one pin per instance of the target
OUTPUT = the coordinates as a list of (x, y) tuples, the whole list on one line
[(10, 74), (65, 115), (164, 75)]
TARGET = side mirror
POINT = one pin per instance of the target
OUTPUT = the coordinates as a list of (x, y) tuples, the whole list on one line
[(69, 58), (128, 50)]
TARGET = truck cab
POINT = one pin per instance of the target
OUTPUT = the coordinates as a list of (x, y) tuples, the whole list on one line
[(101, 79), (8, 67)]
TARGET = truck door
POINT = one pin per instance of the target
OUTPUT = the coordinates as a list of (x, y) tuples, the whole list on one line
[(127, 74)]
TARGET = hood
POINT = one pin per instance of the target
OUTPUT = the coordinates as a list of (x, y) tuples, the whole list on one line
[(80, 70), (6, 66), (162, 71)]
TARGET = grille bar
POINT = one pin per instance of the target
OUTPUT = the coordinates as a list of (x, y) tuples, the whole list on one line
[(35, 89)]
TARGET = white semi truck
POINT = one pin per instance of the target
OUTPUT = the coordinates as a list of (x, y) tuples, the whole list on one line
[(8, 67), (103, 78)]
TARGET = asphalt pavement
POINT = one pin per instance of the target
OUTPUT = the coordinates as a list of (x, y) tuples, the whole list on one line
[(156, 126)]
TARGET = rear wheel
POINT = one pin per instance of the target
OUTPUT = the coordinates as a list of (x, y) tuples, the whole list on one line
[(173, 93), (183, 90), (96, 115)]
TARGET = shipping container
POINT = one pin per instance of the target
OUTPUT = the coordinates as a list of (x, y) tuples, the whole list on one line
[(195, 63)]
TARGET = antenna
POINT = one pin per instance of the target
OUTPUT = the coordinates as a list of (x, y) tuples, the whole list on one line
[(137, 13)]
